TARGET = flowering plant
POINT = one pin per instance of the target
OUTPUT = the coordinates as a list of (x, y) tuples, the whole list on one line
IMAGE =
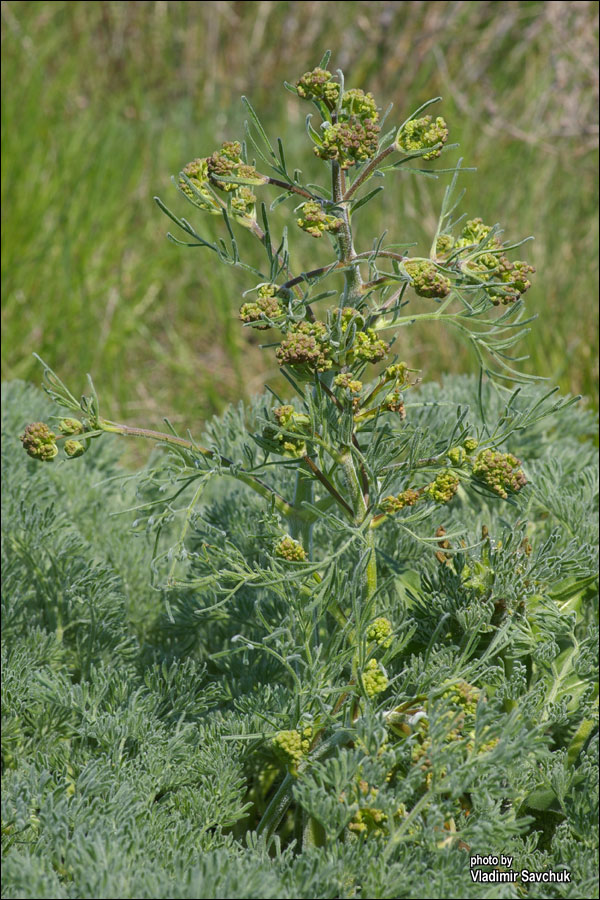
[(410, 643)]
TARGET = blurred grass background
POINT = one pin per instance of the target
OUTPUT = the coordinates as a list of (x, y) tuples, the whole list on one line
[(103, 101)]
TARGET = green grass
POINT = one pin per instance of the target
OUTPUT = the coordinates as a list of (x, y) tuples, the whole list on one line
[(102, 101)]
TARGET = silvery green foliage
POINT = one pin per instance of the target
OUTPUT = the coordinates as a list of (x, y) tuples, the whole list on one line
[(138, 720)]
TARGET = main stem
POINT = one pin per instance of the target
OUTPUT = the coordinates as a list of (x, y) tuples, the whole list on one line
[(352, 293)]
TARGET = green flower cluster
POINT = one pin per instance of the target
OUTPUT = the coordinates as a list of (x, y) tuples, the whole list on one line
[(475, 232), (243, 205), (374, 679), (367, 347), (266, 306), (39, 441), (443, 488), (500, 471), (288, 420), (457, 455), (202, 174), (426, 280), (356, 103), (291, 746), (351, 315), (393, 504), (73, 449), (514, 275), (196, 172), (306, 346), (396, 373), (470, 444), (227, 162), (380, 631), (315, 221), (288, 548), (347, 380), (349, 142), (419, 134), (490, 267), (71, 426), (394, 402), (319, 85), (368, 820)]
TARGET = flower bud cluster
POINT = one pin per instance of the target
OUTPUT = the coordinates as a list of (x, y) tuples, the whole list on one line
[(374, 679), (202, 174), (199, 193), (426, 280), (288, 548), (305, 346), (39, 441), (319, 85), (419, 134), (394, 402), (457, 455), (291, 746), (396, 373), (347, 380), (71, 426), (266, 306), (369, 820), (288, 420), (367, 347), (73, 449), (380, 631), (349, 142), (443, 488), (500, 471), (315, 221), (356, 103), (490, 267), (393, 504)]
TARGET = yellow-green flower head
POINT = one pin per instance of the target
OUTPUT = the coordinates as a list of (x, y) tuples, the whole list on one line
[(319, 85), (288, 420), (474, 232), (73, 449), (514, 276), (71, 426), (426, 280), (288, 548), (380, 631), (291, 746), (396, 373), (199, 193), (470, 444), (306, 347), (444, 245), (347, 380), (374, 679), (350, 315), (243, 206), (266, 306), (315, 221), (356, 103), (444, 486), (394, 402), (227, 162), (394, 504), (367, 347), (39, 442), (419, 134), (457, 455), (500, 471), (349, 142)]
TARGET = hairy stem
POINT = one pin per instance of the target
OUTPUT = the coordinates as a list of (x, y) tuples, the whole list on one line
[(257, 485)]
